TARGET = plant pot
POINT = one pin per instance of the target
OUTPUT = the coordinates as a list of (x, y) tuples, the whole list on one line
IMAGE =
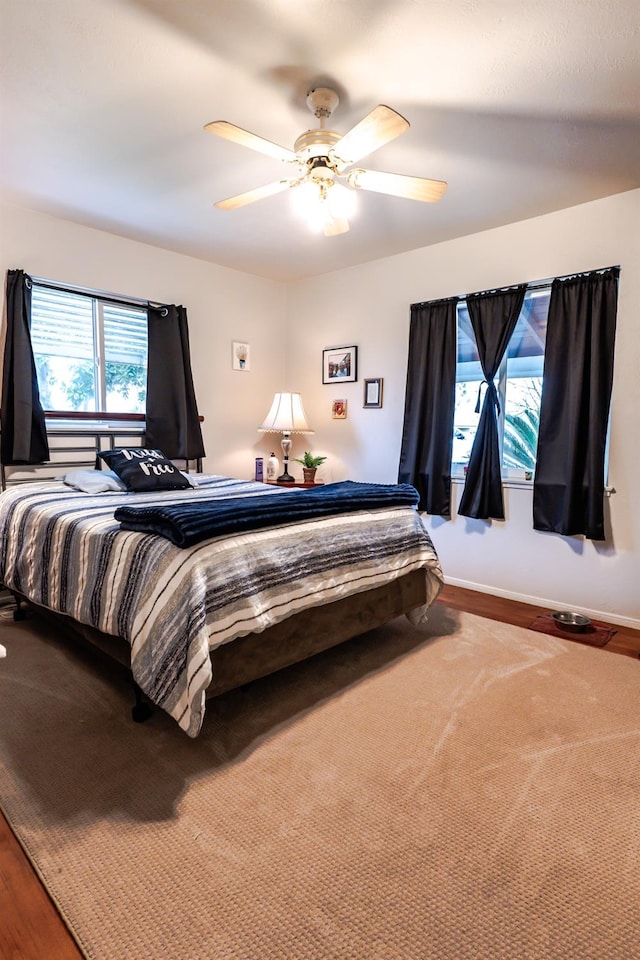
[(309, 474)]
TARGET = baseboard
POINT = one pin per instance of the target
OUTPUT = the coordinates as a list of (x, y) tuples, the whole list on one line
[(608, 617)]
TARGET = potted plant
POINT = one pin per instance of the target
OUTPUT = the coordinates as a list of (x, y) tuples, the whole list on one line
[(309, 465)]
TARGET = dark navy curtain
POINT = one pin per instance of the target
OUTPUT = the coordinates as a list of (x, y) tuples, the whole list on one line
[(172, 423), (427, 434), (493, 318), (568, 487), (24, 434)]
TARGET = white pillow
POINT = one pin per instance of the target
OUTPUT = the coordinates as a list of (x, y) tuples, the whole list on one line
[(190, 478), (105, 481), (94, 481)]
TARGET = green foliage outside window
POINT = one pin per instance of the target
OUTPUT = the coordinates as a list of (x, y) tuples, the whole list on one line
[(521, 440), (521, 425), (75, 389), (124, 378)]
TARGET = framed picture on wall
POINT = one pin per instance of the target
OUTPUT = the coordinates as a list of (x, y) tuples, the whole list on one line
[(339, 409), (373, 392), (340, 365), (240, 355)]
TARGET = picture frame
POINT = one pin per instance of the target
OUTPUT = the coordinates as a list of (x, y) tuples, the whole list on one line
[(240, 355), (339, 410), (372, 392), (340, 364)]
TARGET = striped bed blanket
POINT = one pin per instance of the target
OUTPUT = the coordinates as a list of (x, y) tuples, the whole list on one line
[(66, 551)]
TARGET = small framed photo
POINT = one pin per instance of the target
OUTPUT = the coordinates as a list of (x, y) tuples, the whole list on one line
[(373, 392), (339, 409), (340, 365), (240, 355)]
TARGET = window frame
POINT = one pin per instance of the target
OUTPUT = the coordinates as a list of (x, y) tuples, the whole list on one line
[(100, 300)]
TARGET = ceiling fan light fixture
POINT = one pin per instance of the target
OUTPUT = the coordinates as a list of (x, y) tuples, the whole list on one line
[(306, 199), (343, 203), (335, 226), (324, 206), (320, 218)]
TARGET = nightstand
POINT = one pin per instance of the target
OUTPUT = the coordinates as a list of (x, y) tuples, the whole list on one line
[(286, 486)]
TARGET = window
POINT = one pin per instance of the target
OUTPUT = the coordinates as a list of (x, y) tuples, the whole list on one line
[(90, 353), (518, 382)]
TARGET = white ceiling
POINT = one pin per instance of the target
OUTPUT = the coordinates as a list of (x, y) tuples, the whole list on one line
[(524, 108)]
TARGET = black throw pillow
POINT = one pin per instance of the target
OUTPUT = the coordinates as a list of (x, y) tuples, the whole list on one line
[(141, 469)]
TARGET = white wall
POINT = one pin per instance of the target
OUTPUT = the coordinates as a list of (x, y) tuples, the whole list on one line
[(222, 305), (369, 306)]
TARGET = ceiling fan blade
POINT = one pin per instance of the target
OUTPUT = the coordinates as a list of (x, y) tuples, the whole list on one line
[(242, 199), (335, 226), (377, 128), (229, 131), (413, 188)]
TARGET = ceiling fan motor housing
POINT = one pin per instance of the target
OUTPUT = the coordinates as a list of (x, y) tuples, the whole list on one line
[(322, 101), (316, 143)]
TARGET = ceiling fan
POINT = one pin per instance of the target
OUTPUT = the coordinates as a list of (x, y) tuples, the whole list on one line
[(321, 158)]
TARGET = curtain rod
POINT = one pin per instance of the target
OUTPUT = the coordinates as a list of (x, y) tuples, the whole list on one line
[(533, 285), (87, 291)]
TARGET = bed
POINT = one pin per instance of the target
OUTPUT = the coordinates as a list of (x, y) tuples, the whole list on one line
[(193, 622)]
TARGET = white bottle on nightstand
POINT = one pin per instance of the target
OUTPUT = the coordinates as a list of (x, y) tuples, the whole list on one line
[(273, 467)]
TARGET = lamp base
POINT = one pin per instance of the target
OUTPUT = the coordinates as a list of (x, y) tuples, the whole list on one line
[(285, 443), (286, 476)]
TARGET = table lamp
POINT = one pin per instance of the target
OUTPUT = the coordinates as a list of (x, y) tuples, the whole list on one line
[(286, 416)]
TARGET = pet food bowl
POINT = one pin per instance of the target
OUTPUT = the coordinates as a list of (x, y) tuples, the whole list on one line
[(567, 620)]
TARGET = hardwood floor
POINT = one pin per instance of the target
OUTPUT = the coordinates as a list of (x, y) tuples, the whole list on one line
[(625, 640), (32, 929)]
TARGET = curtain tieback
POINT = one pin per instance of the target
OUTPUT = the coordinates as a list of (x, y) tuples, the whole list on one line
[(492, 389)]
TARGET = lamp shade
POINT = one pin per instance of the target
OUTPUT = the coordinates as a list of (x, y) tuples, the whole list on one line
[(286, 415)]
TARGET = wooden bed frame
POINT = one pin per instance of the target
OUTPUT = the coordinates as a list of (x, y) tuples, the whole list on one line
[(246, 658)]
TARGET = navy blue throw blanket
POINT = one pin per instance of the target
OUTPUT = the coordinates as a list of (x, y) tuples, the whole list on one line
[(188, 523)]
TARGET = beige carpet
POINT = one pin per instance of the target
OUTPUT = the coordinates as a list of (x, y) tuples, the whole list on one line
[(464, 790)]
